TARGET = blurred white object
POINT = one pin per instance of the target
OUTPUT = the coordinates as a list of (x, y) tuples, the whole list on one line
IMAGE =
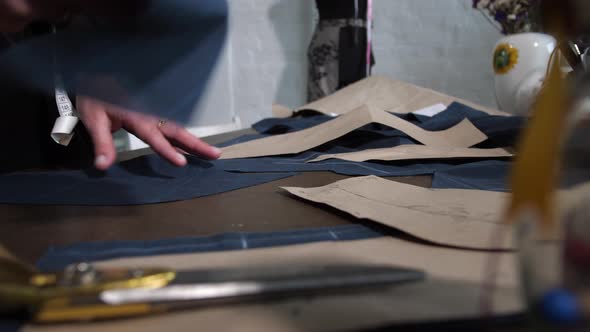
[(134, 143), (431, 110), (520, 63)]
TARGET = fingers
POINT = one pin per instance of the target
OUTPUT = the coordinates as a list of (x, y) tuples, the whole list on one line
[(183, 139), (168, 139), (96, 119), (162, 147), (146, 129)]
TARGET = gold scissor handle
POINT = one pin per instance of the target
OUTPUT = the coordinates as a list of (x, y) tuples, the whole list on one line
[(13, 269), (56, 296)]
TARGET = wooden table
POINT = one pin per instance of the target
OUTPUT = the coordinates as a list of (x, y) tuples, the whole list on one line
[(28, 231)]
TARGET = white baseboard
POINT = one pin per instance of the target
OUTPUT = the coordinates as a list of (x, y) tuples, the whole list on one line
[(135, 143)]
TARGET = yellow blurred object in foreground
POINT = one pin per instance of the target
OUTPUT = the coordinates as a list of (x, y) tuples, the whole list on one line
[(536, 170)]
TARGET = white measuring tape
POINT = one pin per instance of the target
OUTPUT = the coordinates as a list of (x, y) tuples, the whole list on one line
[(63, 128)]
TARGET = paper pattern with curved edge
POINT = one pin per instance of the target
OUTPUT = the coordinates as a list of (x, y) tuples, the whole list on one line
[(409, 152), (464, 134), (385, 94), (452, 291), (452, 217)]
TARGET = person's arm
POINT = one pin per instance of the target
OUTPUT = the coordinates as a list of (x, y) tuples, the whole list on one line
[(151, 75)]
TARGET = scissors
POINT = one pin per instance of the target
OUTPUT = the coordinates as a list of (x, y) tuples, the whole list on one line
[(83, 292)]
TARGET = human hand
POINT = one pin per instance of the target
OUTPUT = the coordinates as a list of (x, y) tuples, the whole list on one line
[(167, 139), (15, 15)]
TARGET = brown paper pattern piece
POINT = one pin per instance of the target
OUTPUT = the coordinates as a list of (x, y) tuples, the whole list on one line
[(464, 134), (452, 217)]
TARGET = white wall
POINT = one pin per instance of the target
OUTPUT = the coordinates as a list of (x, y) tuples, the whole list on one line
[(269, 40), (441, 44), (444, 45)]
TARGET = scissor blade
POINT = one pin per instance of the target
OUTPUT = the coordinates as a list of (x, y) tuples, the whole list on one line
[(236, 284)]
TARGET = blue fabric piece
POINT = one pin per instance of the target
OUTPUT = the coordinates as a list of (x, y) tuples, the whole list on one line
[(305, 120), (455, 112), (144, 180), (297, 163), (157, 59), (351, 142), (58, 257), (484, 175), (493, 175), (276, 126), (9, 325), (501, 130)]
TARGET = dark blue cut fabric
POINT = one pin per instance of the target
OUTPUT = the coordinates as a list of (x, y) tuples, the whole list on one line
[(484, 175), (276, 126), (10, 325), (59, 257), (297, 163), (152, 180), (305, 120), (144, 180), (502, 131)]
